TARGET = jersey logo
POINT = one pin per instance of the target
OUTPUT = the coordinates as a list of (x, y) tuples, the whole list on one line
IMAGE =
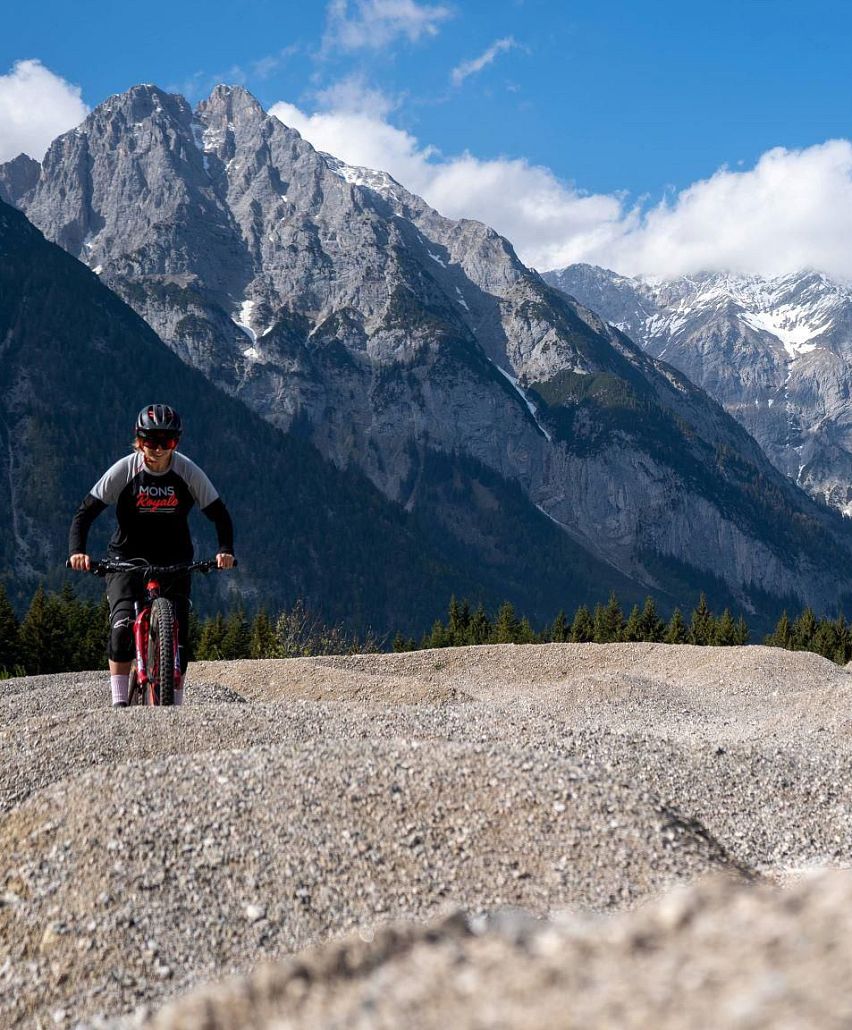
[(156, 498)]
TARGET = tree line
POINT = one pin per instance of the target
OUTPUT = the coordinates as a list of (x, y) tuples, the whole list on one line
[(604, 624), (61, 632)]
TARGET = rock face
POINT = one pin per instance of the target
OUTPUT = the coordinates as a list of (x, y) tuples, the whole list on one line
[(18, 177), (76, 364), (776, 353), (341, 307)]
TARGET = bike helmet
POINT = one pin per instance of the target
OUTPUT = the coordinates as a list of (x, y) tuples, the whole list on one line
[(158, 419)]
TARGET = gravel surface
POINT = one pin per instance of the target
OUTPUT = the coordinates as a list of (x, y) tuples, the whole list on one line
[(143, 852), (715, 955)]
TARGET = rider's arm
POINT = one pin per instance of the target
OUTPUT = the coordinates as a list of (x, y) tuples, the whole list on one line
[(221, 519), (207, 498), (83, 519), (105, 492)]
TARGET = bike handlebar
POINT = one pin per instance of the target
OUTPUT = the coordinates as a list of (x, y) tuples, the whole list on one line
[(106, 565)]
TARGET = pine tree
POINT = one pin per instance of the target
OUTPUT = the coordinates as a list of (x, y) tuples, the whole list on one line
[(633, 627), (9, 630), (262, 640), (702, 625), (560, 631), (464, 624), (526, 634), (74, 614), (582, 628), (41, 634), (439, 637), (844, 640), (725, 630), (609, 625), (824, 640), (210, 639), (676, 632), (507, 626), (92, 650), (783, 634), (479, 630), (804, 630), (742, 632), (458, 623), (652, 626), (236, 640), (599, 624), (401, 643)]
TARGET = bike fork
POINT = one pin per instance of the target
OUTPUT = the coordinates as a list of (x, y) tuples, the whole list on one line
[(176, 646), (140, 636)]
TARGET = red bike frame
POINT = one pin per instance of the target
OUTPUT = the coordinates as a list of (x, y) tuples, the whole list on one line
[(141, 630)]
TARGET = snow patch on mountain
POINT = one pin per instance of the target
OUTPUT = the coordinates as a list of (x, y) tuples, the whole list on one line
[(367, 177), (795, 309), (791, 326), (533, 410), (244, 322)]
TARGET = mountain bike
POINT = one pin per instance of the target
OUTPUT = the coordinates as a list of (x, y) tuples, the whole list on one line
[(156, 672)]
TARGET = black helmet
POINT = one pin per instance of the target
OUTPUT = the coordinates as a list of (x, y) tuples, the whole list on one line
[(158, 418)]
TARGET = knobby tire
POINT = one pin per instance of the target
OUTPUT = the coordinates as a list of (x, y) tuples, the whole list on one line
[(161, 654)]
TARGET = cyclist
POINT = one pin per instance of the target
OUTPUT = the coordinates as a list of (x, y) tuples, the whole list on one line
[(153, 490)]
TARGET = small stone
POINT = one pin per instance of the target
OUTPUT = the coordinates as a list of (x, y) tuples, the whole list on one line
[(254, 913)]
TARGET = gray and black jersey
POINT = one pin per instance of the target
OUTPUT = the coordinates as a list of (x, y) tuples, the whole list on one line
[(152, 510)]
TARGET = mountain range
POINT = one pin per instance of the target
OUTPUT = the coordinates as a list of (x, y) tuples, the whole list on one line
[(76, 364), (776, 353), (421, 354)]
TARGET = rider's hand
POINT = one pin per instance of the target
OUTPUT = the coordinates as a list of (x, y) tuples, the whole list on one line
[(80, 562), (224, 561)]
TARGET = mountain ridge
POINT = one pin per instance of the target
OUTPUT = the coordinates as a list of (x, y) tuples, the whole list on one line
[(776, 352), (359, 317)]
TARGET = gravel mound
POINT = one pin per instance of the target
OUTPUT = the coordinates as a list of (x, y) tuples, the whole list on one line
[(143, 852), (706, 956)]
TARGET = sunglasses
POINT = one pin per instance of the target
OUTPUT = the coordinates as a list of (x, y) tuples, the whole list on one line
[(166, 443)]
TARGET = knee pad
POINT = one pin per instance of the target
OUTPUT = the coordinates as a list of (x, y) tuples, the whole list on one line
[(121, 645)]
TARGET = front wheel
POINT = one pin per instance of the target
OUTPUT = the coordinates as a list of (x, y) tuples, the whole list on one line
[(161, 652)]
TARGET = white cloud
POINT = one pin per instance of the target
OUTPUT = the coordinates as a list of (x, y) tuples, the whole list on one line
[(375, 23), (792, 210), (467, 68), (36, 106), (352, 95)]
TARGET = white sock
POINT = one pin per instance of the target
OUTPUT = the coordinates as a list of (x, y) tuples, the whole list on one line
[(119, 686), (178, 695)]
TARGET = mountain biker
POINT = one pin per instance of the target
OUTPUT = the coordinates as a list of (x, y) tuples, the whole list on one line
[(153, 489)]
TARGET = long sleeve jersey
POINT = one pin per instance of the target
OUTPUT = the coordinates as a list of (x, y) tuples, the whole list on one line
[(152, 510)]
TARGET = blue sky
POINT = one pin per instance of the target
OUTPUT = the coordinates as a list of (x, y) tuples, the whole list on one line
[(623, 104)]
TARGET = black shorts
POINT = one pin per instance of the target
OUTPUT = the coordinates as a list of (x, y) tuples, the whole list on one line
[(126, 588)]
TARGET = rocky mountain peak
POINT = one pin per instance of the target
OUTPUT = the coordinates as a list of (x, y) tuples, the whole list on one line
[(231, 103), (232, 120), (137, 105), (18, 177)]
